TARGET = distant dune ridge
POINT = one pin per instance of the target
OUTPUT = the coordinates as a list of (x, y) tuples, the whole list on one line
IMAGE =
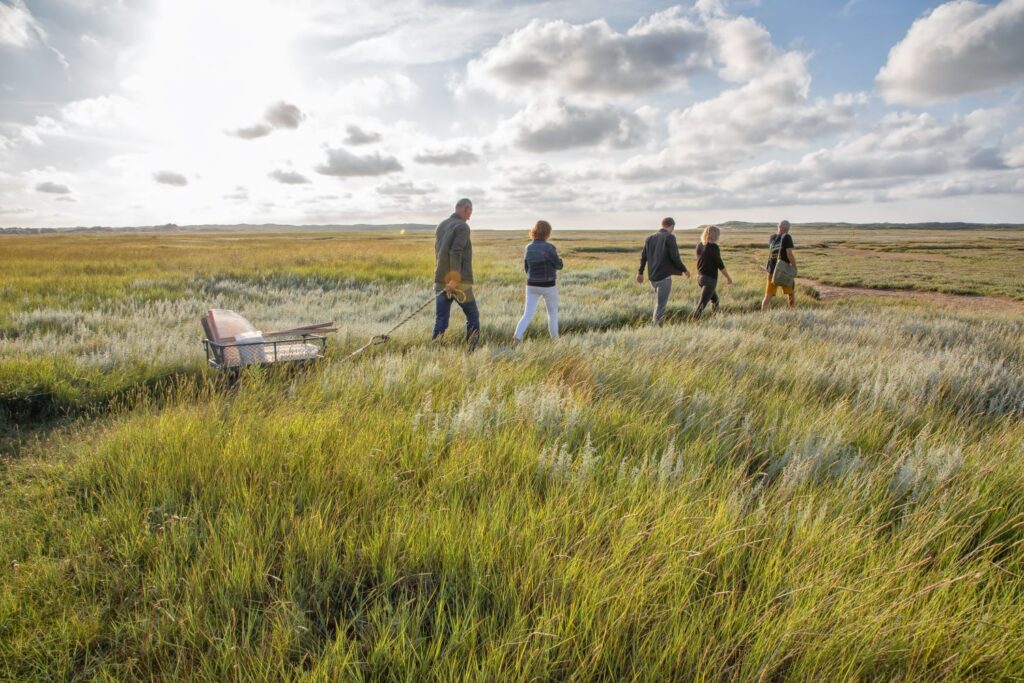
[(240, 227), (423, 227)]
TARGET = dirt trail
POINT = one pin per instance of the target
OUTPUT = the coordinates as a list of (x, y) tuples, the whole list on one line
[(960, 302)]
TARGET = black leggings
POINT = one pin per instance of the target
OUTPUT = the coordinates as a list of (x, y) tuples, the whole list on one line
[(707, 294)]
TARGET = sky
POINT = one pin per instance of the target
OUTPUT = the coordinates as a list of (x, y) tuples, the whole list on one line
[(598, 114)]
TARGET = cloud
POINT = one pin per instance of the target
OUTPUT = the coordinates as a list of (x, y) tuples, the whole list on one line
[(239, 194), (537, 175), (104, 112), (16, 211), (558, 125), (284, 115), (405, 188), (18, 27), (342, 163), (381, 90), (49, 187), (288, 177), (557, 57), (170, 178), (540, 184), (904, 156), (848, 7), (961, 47), (257, 130), (358, 136), (742, 47), (457, 156), (659, 52), (278, 115), (43, 125), (1015, 155), (773, 109), (109, 118)]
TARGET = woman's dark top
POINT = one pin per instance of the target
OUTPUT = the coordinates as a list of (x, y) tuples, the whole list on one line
[(709, 260), (540, 263)]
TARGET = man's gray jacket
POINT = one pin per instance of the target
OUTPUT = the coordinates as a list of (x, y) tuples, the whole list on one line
[(453, 251), (661, 256)]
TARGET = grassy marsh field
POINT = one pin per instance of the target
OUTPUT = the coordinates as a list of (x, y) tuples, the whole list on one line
[(712, 500)]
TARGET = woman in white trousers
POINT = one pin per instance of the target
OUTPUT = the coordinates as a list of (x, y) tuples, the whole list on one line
[(541, 263)]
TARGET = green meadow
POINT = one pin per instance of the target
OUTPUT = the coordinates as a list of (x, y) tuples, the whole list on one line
[(826, 493)]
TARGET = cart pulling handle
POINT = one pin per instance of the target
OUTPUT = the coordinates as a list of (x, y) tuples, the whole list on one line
[(377, 339)]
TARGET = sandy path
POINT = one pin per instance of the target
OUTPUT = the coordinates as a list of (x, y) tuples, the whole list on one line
[(959, 302)]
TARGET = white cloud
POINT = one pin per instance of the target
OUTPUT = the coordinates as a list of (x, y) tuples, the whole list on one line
[(342, 163), (405, 188), (565, 59), (257, 130), (961, 47), (1015, 155), (848, 7), (278, 115), (904, 156), (284, 115), (532, 185), (18, 27), (112, 117), (742, 47), (358, 136), (403, 32), (16, 211), (288, 177), (381, 90), (658, 52), (453, 156), (109, 112), (774, 109), (49, 187), (170, 178), (43, 126), (545, 126)]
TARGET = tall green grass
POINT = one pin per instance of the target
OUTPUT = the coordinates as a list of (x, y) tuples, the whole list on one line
[(686, 503)]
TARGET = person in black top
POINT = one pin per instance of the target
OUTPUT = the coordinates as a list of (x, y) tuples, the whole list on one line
[(709, 262), (780, 246), (661, 258)]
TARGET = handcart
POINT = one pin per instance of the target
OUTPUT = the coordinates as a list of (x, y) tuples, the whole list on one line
[(232, 342)]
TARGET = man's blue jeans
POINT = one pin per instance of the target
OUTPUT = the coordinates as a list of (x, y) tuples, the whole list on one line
[(443, 310)]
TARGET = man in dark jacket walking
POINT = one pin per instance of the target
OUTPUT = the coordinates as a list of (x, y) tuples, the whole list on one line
[(661, 257), (453, 273)]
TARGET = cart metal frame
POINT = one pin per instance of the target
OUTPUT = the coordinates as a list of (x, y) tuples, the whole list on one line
[(275, 351)]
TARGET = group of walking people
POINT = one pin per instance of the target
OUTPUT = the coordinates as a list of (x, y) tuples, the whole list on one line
[(453, 272)]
